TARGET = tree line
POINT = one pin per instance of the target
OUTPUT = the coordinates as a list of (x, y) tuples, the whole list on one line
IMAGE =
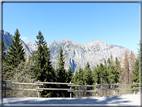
[(39, 67)]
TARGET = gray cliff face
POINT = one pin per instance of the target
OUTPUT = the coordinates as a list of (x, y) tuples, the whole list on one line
[(76, 55)]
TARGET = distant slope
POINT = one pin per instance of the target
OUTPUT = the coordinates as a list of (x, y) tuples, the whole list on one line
[(76, 55)]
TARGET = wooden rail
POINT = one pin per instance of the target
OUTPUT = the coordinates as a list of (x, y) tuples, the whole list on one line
[(115, 89), (37, 89), (65, 89)]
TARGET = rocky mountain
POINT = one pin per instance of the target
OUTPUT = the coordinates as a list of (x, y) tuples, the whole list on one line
[(76, 55), (7, 39)]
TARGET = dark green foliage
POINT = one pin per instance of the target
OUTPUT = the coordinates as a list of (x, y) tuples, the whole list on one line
[(69, 75), (118, 68), (75, 78), (14, 56), (43, 69), (106, 73), (96, 75), (61, 74), (16, 52), (88, 78), (81, 77), (101, 71), (136, 72), (113, 76), (78, 79), (135, 77), (88, 75)]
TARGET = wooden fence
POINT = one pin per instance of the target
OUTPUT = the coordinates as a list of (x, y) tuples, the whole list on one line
[(65, 89)]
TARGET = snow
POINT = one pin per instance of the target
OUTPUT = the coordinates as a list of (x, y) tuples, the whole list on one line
[(121, 100)]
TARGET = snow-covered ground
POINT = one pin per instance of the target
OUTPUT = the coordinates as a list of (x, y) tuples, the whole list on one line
[(121, 100)]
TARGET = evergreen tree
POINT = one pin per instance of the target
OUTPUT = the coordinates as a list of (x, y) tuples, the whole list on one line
[(111, 71), (69, 75), (81, 81), (61, 74), (101, 71), (88, 75), (135, 77), (105, 74), (43, 67), (16, 52), (74, 80), (81, 77), (117, 67), (14, 56), (132, 64), (112, 75), (96, 75), (136, 72)]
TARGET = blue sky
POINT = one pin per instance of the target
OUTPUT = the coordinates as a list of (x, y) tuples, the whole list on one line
[(113, 23)]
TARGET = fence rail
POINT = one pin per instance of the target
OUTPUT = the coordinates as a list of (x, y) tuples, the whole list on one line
[(65, 89)]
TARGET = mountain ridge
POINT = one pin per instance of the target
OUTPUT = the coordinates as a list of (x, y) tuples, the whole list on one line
[(76, 55)]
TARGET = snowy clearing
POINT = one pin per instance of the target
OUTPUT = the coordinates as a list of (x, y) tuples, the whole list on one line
[(121, 100)]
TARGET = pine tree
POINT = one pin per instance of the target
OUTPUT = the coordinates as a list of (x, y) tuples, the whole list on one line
[(14, 56), (43, 67), (136, 72), (112, 75), (69, 75), (16, 52), (135, 77), (101, 71), (96, 75), (75, 78), (88, 75), (75, 81), (81, 81), (132, 64), (105, 74), (81, 77), (117, 67), (61, 74)]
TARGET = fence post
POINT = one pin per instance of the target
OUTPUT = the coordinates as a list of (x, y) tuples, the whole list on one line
[(134, 88), (5, 89), (38, 91), (70, 91)]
